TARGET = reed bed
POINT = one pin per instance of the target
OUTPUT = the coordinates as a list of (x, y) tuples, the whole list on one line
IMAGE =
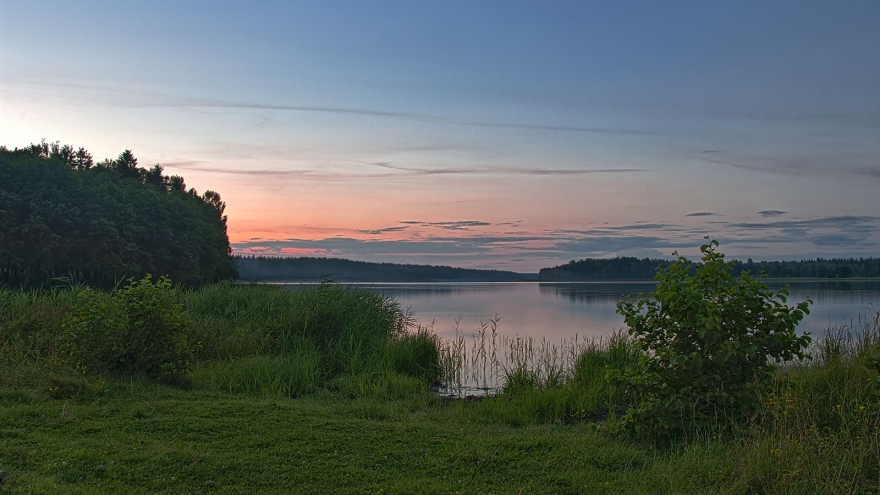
[(486, 362)]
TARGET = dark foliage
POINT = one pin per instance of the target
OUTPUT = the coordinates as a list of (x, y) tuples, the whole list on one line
[(627, 268), (265, 268), (63, 216)]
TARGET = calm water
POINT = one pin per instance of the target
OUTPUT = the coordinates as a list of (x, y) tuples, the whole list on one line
[(561, 310)]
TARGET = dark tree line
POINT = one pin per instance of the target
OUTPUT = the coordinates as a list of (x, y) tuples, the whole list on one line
[(819, 268), (628, 268), (255, 268), (63, 215), (625, 268)]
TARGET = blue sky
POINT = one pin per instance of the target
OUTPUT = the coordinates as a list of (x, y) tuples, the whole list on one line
[(487, 134)]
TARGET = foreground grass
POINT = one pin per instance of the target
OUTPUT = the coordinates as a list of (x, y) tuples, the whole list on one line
[(137, 437), (160, 440), (301, 393)]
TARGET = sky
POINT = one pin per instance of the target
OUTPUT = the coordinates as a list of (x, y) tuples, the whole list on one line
[(491, 134)]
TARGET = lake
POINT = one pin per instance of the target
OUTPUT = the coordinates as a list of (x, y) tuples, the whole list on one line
[(561, 310)]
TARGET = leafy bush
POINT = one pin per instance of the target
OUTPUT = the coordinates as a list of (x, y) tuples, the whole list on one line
[(709, 342), (139, 329)]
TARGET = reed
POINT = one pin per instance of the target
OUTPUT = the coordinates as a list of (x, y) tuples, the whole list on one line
[(528, 380)]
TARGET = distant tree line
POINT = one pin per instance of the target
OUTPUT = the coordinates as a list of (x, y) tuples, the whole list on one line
[(628, 268), (255, 268), (64, 216)]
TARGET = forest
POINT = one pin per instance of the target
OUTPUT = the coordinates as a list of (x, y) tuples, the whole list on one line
[(253, 268), (629, 268), (64, 217)]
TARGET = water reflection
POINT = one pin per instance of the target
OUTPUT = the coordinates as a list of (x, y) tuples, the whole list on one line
[(599, 292), (562, 310)]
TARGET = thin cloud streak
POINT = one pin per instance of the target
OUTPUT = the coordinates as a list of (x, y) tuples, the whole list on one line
[(801, 166), (163, 100), (503, 170)]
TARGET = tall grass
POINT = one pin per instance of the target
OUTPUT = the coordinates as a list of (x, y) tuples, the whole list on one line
[(528, 380), (821, 428), (253, 338)]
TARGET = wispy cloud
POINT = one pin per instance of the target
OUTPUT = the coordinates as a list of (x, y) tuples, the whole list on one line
[(129, 98), (807, 165), (385, 230), (450, 225), (770, 213), (702, 214), (842, 221), (503, 170), (846, 232)]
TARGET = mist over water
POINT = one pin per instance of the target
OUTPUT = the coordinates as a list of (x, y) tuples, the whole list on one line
[(559, 310)]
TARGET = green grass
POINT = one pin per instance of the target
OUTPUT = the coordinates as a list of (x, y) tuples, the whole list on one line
[(159, 440), (300, 392)]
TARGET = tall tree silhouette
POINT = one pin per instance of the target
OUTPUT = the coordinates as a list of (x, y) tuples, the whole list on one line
[(126, 165)]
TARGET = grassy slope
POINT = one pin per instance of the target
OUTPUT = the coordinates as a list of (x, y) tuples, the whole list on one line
[(159, 440)]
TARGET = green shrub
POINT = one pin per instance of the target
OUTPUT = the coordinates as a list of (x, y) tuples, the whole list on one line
[(139, 329), (709, 342)]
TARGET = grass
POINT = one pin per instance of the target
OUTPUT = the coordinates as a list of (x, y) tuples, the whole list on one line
[(328, 389), (157, 440)]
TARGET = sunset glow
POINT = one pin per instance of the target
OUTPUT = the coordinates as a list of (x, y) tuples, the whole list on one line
[(512, 135)]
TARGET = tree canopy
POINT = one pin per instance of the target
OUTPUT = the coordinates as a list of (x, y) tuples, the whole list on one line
[(256, 268), (62, 215), (628, 268)]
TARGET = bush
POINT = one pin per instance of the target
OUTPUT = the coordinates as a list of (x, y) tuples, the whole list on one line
[(139, 329), (709, 342)]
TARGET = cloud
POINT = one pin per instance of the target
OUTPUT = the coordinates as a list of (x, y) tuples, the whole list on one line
[(501, 170), (771, 213), (421, 171), (474, 250), (256, 173), (129, 98), (541, 171), (318, 175), (813, 165), (702, 214), (452, 225), (385, 230), (842, 221), (463, 244), (844, 233)]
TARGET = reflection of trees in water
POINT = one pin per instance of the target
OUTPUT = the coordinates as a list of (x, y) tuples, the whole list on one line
[(830, 293), (420, 289), (861, 292), (822, 293), (596, 292)]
